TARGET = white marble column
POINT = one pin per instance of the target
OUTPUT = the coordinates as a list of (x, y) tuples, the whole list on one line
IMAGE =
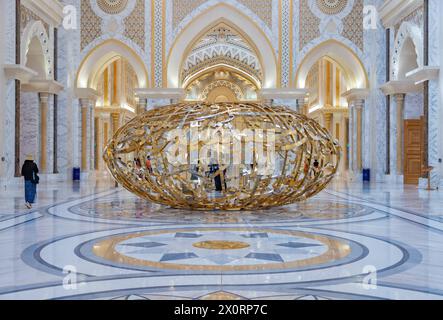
[(356, 134), (435, 91), (85, 121), (7, 96), (358, 105), (400, 101), (43, 106), (393, 136), (351, 137), (91, 126), (29, 126)]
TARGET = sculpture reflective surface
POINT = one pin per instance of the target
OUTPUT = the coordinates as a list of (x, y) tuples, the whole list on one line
[(227, 156)]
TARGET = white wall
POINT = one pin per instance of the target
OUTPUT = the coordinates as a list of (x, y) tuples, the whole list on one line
[(2, 85), (441, 90)]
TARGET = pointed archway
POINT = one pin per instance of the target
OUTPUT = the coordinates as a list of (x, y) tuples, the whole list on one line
[(233, 17), (101, 56)]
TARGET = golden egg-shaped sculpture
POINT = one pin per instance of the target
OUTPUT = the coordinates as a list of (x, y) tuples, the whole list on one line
[(227, 156)]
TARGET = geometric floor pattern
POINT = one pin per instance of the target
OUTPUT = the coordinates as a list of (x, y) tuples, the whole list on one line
[(96, 242)]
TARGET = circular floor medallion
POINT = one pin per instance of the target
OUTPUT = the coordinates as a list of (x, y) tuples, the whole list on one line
[(230, 249)]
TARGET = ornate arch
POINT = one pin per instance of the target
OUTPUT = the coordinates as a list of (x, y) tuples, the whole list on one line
[(103, 54), (270, 33), (36, 29), (222, 83), (221, 44), (235, 18), (413, 32), (347, 59)]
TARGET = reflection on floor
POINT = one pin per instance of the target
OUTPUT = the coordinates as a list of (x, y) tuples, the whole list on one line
[(92, 241)]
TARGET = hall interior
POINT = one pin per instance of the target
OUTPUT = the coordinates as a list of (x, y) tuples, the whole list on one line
[(77, 71)]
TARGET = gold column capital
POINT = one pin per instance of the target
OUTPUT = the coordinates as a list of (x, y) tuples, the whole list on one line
[(115, 116)]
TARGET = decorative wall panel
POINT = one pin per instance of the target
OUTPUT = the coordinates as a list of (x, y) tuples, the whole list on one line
[(135, 24), (353, 25), (264, 13), (90, 24), (158, 43), (262, 8), (27, 16), (181, 8), (309, 24), (285, 42), (415, 17)]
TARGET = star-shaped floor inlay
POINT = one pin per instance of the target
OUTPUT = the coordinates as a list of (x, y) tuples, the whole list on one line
[(265, 256), (298, 245), (187, 235), (148, 244), (178, 256)]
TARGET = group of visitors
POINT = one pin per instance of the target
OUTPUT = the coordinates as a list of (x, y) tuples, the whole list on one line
[(139, 168)]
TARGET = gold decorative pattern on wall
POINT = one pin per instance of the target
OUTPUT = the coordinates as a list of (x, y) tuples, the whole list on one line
[(262, 8), (331, 7), (309, 24), (353, 26), (312, 82), (112, 6), (181, 8), (135, 24), (90, 24), (27, 16)]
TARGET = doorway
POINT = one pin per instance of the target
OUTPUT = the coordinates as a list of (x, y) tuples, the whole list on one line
[(413, 148)]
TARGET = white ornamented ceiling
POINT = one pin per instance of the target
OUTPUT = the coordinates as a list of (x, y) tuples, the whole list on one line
[(222, 45)]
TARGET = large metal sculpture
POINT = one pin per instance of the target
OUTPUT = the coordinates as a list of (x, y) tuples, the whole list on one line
[(227, 156)]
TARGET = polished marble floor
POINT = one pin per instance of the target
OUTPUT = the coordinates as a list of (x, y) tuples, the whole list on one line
[(90, 240)]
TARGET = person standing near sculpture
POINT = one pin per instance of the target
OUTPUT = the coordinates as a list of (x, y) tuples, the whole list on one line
[(29, 172)]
